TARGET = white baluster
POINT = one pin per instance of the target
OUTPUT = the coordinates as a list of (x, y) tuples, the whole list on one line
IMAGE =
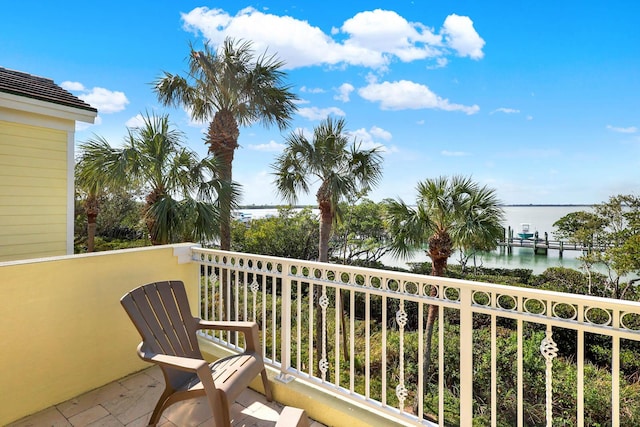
[(549, 350), (323, 364), (401, 390)]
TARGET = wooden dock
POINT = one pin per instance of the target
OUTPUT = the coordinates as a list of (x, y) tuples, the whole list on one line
[(540, 245)]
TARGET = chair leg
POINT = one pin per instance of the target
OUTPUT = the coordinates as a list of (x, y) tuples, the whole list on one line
[(267, 385), (220, 409), (157, 411)]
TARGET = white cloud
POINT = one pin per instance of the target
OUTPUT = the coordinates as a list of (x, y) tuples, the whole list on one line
[(460, 35), (297, 42), (505, 110), (455, 153), (380, 133), (440, 63), (135, 121), (407, 95), (387, 33), (315, 113), (370, 39), (369, 139), (311, 90), (72, 86), (344, 91), (104, 100), (271, 146), (529, 117), (630, 129)]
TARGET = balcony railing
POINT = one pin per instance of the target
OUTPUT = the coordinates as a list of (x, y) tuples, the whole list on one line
[(361, 333)]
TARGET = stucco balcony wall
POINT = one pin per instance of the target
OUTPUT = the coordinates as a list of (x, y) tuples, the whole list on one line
[(63, 331)]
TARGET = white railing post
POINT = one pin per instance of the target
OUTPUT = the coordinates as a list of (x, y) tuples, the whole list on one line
[(285, 325), (466, 357)]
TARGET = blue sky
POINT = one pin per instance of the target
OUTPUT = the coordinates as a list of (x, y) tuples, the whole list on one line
[(539, 100)]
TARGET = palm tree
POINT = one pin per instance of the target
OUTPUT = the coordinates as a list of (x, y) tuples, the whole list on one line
[(229, 88), (181, 189), (92, 179), (92, 191), (341, 169), (450, 214)]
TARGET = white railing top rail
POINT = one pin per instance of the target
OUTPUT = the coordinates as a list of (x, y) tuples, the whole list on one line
[(590, 313)]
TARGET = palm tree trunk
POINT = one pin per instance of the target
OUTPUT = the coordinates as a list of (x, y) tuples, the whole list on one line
[(223, 140), (92, 210), (91, 232), (326, 220), (225, 208), (438, 267)]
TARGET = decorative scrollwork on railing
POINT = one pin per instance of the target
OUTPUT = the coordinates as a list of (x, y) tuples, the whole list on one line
[(534, 306), (323, 364), (430, 290), (401, 390), (507, 302), (562, 310), (402, 317), (481, 298), (597, 316), (451, 294), (411, 288), (549, 350), (254, 287), (630, 321), (401, 394)]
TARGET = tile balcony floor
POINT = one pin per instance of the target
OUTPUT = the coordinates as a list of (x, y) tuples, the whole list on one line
[(129, 402)]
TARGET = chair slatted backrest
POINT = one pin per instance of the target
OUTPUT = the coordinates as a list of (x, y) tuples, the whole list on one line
[(160, 311)]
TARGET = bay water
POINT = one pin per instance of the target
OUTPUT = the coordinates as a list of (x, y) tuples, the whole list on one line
[(540, 218)]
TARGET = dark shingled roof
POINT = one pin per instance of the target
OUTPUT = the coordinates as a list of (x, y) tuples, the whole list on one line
[(40, 88)]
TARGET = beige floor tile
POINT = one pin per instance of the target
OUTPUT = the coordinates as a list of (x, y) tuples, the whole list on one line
[(156, 373), (129, 403), (88, 416), (49, 417), (133, 404), (189, 413), (140, 380), (88, 400), (108, 421), (250, 396), (142, 421), (237, 414), (260, 411)]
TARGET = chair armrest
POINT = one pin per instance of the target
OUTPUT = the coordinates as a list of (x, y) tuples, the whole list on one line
[(198, 366), (249, 329), (183, 363)]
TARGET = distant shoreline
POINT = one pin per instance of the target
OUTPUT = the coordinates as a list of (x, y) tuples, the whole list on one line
[(566, 205), (517, 205)]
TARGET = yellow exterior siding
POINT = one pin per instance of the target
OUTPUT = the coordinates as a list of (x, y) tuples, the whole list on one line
[(33, 191)]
